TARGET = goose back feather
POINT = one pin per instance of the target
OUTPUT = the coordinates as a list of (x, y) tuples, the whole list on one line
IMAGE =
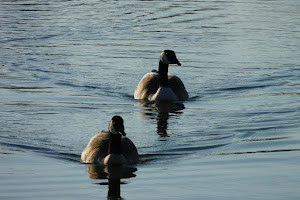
[(149, 85), (114, 144)]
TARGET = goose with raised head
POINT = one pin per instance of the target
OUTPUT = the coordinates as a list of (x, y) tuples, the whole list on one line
[(111, 147), (161, 85)]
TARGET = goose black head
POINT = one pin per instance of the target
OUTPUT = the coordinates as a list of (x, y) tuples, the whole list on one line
[(169, 57), (116, 126)]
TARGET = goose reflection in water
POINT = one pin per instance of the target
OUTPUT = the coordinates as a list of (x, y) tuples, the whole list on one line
[(161, 112), (114, 174)]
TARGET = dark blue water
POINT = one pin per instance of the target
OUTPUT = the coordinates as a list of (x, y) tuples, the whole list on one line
[(67, 67)]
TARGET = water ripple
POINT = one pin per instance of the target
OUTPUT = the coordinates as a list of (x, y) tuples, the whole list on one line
[(66, 68)]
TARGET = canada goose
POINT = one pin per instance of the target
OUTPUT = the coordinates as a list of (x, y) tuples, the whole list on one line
[(111, 147), (161, 85)]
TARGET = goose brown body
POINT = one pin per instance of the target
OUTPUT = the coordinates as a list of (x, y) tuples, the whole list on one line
[(99, 149), (161, 85)]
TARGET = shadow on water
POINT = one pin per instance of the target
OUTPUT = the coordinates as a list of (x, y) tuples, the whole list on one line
[(67, 156), (161, 112), (113, 174)]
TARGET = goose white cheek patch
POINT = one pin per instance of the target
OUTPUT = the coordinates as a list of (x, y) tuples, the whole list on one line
[(112, 129), (164, 58)]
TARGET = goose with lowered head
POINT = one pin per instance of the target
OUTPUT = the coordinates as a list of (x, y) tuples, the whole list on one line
[(161, 85)]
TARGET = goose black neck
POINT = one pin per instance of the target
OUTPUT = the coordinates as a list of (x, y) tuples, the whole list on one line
[(163, 74), (115, 144)]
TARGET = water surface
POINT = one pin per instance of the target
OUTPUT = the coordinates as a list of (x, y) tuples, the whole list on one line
[(67, 67)]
